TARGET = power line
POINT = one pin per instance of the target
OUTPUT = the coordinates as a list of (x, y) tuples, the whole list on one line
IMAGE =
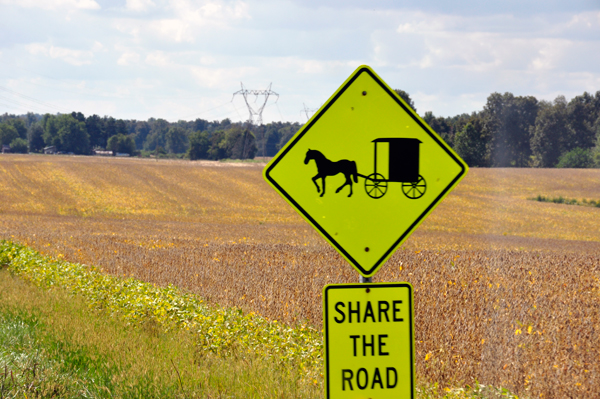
[(28, 98), (236, 110), (307, 111), (278, 110), (205, 111), (8, 106), (23, 105), (258, 112)]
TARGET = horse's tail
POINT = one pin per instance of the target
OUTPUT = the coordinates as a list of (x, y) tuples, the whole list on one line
[(354, 172)]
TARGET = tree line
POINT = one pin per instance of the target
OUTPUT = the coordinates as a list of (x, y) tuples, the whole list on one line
[(510, 131), (199, 139), (520, 131)]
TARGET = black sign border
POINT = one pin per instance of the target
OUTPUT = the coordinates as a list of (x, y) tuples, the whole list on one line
[(371, 286), (306, 128)]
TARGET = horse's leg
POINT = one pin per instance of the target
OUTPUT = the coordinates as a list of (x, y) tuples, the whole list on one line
[(348, 182), (342, 186), (323, 192), (314, 179)]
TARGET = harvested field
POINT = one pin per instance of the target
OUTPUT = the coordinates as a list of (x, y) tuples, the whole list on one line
[(507, 290)]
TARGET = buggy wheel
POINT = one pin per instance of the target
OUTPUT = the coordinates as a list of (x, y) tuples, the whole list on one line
[(375, 185), (416, 189)]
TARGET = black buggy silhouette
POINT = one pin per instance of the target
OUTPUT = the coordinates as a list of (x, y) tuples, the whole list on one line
[(403, 168)]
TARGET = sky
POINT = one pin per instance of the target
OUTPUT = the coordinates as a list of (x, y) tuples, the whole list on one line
[(185, 59)]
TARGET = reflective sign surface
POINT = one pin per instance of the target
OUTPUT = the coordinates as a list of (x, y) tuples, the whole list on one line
[(369, 341), (365, 171)]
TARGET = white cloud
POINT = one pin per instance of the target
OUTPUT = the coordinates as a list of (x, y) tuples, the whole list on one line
[(585, 20), (174, 29), (128, 58), (187, 20), (549, 53), (70, 56), (221, 77), (128, 26), (139, 5), (210, 12), (97, 47), (54, 4), (158, 58)]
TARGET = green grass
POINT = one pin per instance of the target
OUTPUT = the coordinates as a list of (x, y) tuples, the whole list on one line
[(52, 345), (218, 330), (567, 201)]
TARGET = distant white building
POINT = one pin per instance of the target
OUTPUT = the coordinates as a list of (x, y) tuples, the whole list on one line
[(5, 149), (50, 150), (103, 153)]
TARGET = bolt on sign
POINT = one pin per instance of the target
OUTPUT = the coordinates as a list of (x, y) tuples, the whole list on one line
[(369, 343), (365, 171)]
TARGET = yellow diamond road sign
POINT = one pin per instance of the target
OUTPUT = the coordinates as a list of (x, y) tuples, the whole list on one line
[(365, 171), (369, 341)]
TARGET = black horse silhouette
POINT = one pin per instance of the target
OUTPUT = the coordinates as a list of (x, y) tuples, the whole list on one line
[(326, 168)]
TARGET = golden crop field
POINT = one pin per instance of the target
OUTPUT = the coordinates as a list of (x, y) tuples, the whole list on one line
[(507, 290)]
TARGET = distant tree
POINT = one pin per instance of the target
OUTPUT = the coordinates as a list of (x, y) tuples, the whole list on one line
[(581, 115), (156, 137), (7, 133), (30, 119), (128, 145), (218, 145), (199, 146), (507, 122), (95, 128), (286, 134), (576, 158), (176, 140), (19, 145), (72, 135), (273, 137), (550, 133), (199, 125), (471, 144), (260, 138), (121, 127), (406, 97), (19, 125), (79, 116), (159, 152), (595, 153), (50, 126), (121, 143), (141, 131), (35, 138), (110, 127), (441, 126), (240, 143), (131, 125)]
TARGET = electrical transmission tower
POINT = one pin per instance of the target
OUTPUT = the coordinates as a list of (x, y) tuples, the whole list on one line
[(258, 112), (308, 111)]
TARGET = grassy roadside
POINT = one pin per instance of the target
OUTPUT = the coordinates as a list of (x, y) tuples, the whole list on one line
[(53, 346)]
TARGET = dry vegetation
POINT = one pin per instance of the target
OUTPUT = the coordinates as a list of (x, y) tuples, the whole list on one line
[(506, 290)]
